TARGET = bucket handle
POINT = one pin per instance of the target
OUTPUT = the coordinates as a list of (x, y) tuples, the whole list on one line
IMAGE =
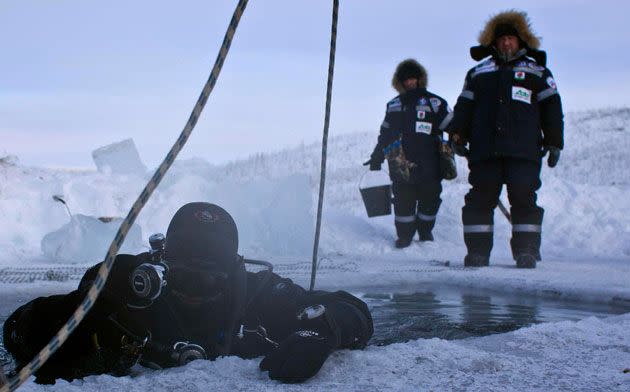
[(366, 172)]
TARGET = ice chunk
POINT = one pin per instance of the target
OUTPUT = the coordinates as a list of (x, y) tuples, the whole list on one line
[(85, 239), (119, 158), (274, 216)]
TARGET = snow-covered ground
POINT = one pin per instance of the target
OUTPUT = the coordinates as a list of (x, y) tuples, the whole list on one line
[(586, 252), (569, 356)]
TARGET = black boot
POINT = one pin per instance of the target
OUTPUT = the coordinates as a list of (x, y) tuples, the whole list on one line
[(425, 226), (402, 243), (526, 260), (426, 236), (476, 260)]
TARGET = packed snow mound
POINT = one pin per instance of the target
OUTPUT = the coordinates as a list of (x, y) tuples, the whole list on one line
[(31, 216), (86, 239), (8, 160), (597, 144), (587, 355), (273, 197)]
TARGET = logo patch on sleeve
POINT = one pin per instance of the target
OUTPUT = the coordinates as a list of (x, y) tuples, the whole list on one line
[(435, 104), (552, 83), (519, 75), (535, 66), (424, 127), (521, 94), (421, 114), (312, 312)]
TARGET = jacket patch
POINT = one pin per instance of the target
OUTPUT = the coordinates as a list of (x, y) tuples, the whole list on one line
[(488, 66), (424, 127), (423, 108), (552, 83), (519, 75), (421, 114), (435, 104), (394, 105), (311, 312), (521, 94), (528, 70), (394, 108)]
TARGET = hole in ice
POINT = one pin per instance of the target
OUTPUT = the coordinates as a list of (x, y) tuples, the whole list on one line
[(457, 313)]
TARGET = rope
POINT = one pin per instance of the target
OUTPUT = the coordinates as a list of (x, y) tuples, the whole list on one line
[(106, 266), (322, 178)]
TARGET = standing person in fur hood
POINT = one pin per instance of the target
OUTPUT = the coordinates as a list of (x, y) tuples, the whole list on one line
[(410, 138), (510, 115)]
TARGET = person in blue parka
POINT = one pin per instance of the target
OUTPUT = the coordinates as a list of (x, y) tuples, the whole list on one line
[(509, 115), (410, 138)]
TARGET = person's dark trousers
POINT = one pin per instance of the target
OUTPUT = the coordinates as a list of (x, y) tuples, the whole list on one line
[(522, 179), (416, 207)]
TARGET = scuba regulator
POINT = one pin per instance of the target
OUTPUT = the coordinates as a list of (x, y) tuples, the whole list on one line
[(184, 352), (148, 279)]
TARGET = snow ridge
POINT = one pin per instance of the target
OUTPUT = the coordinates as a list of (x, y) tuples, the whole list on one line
[(272, 197)]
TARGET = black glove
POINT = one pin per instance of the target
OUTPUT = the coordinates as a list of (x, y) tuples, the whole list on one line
[(374, 164), (554, 156), (298, 358), (460, 149)]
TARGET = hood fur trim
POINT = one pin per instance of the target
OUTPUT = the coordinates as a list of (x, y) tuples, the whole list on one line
[(519, 20), (423, 78)]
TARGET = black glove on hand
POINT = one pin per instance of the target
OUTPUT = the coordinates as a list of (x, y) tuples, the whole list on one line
[(374, 165), (554, 156), (299, 357)]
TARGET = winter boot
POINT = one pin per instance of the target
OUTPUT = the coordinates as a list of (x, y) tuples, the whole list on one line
[(425, 236), (402, 243), (526, 260), (425, 226), (476, 260)]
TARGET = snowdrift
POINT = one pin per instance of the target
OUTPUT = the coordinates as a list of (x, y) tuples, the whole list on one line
[(583, 195), (273, 196)]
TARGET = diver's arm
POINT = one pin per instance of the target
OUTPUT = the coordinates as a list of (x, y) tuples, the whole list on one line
[(313, 325)]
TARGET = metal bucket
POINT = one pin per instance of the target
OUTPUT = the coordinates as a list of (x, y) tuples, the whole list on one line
[(377, 200)]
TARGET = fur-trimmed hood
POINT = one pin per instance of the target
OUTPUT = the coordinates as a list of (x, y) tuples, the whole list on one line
[(520, 22), (406, 68), (516, 19)]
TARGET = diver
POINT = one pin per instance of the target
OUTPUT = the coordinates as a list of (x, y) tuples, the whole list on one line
[(190, 298)]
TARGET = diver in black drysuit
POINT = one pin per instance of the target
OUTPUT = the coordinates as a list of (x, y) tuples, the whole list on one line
[(210, 306)]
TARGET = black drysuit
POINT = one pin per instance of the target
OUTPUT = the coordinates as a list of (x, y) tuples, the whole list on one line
[(412, 132), (111, 338), (507, 111)]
